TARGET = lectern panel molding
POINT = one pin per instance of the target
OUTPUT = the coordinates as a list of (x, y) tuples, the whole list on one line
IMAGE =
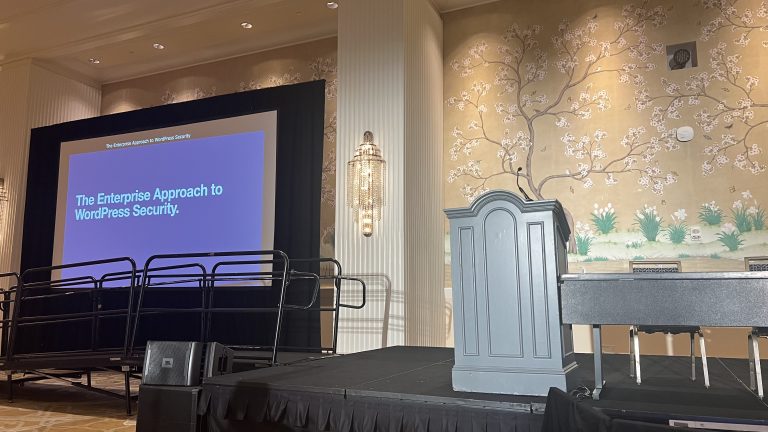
[(505, 337), (468, 294), (539, 305)]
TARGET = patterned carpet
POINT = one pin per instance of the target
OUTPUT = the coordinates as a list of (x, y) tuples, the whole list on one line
[(52, 406)]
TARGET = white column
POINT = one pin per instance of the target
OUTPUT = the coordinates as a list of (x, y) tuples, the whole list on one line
[(425, 313), (32, 95), (390, 82)]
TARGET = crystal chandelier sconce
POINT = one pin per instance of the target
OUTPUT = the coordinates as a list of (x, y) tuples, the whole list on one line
[(366, 174), (3, 202)]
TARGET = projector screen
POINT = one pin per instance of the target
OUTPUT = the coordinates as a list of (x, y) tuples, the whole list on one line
[(199, 187), (85, 157)]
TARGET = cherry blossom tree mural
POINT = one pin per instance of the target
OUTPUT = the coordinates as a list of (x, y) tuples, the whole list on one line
[(730, 110), (531, 92)]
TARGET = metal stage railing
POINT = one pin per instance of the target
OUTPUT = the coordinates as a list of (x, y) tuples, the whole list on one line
[(203, 283), (246, 271), (282, 276), (31, 292), (31, 308), (123, 300), (330, 271), (6, 306)]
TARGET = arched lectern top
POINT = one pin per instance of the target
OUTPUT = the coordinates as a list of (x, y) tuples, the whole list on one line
[(498, 195), (505, 195)]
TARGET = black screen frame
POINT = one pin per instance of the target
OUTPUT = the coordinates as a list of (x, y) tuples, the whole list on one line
[(300, 109), (300, 132)]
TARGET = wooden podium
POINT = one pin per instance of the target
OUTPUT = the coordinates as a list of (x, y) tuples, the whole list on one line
[(506, 258)]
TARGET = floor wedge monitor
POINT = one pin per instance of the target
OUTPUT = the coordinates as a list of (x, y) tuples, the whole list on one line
[(218, 360), (172, 363)]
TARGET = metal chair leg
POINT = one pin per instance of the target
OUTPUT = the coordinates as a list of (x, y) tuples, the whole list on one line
[(9, 378), (752, 383), (636, 341), (693, 356), (631, 353), (703, 347), (127, 392), (758, 372)]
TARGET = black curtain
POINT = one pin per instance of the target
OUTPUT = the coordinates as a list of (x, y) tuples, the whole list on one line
[(565, 413), (300, 124)]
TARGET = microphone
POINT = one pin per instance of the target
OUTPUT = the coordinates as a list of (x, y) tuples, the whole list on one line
[(517, 174)]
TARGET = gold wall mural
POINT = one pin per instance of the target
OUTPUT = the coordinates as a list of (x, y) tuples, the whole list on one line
[(586, 105), (589, 104), (298, 63)]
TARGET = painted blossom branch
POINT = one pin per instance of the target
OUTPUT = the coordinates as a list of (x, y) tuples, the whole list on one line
[(726, 94), (518, 64)]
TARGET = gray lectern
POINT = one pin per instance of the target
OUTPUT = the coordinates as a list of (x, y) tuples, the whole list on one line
[(506, 256)]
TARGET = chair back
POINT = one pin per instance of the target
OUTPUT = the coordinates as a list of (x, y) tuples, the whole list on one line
[(654, 266), (757, 263)]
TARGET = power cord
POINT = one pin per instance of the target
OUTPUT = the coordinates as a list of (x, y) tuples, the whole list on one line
[(743, 384), (580, 393)]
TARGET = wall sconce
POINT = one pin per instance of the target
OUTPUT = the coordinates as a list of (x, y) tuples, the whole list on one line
[(366, 174), (3, 200)]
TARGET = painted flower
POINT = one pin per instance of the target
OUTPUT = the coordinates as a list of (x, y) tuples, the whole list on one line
[(728, 228), (583, 229)]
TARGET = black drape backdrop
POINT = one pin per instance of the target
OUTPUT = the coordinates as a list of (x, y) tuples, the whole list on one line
[(300, 117)]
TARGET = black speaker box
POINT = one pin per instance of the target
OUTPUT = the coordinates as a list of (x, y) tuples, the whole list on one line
[(218, 360), (168, 409)]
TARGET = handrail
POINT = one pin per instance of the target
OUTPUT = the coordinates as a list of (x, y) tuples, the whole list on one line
[(360, 281), (45, 296), (5, 320), (140, 273), (78, 264), (207, 282), (335, 276), (281, 275), (387, 283), (293, 275), (73, 316), (60, 283), (18, 318)]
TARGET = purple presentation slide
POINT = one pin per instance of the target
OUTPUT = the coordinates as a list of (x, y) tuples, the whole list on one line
[(197, 195)]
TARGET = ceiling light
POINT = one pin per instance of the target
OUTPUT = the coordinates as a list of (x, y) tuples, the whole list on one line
[(332, 4), (158, 46), (246, 25), (94, 60)]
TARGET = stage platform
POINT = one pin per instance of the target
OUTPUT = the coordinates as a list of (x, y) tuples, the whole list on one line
[(409, 388)]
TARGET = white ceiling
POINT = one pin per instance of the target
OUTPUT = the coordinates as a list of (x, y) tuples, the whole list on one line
[(120, 33)]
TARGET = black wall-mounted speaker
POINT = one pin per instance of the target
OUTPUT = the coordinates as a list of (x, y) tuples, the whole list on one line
[(172, 363)]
